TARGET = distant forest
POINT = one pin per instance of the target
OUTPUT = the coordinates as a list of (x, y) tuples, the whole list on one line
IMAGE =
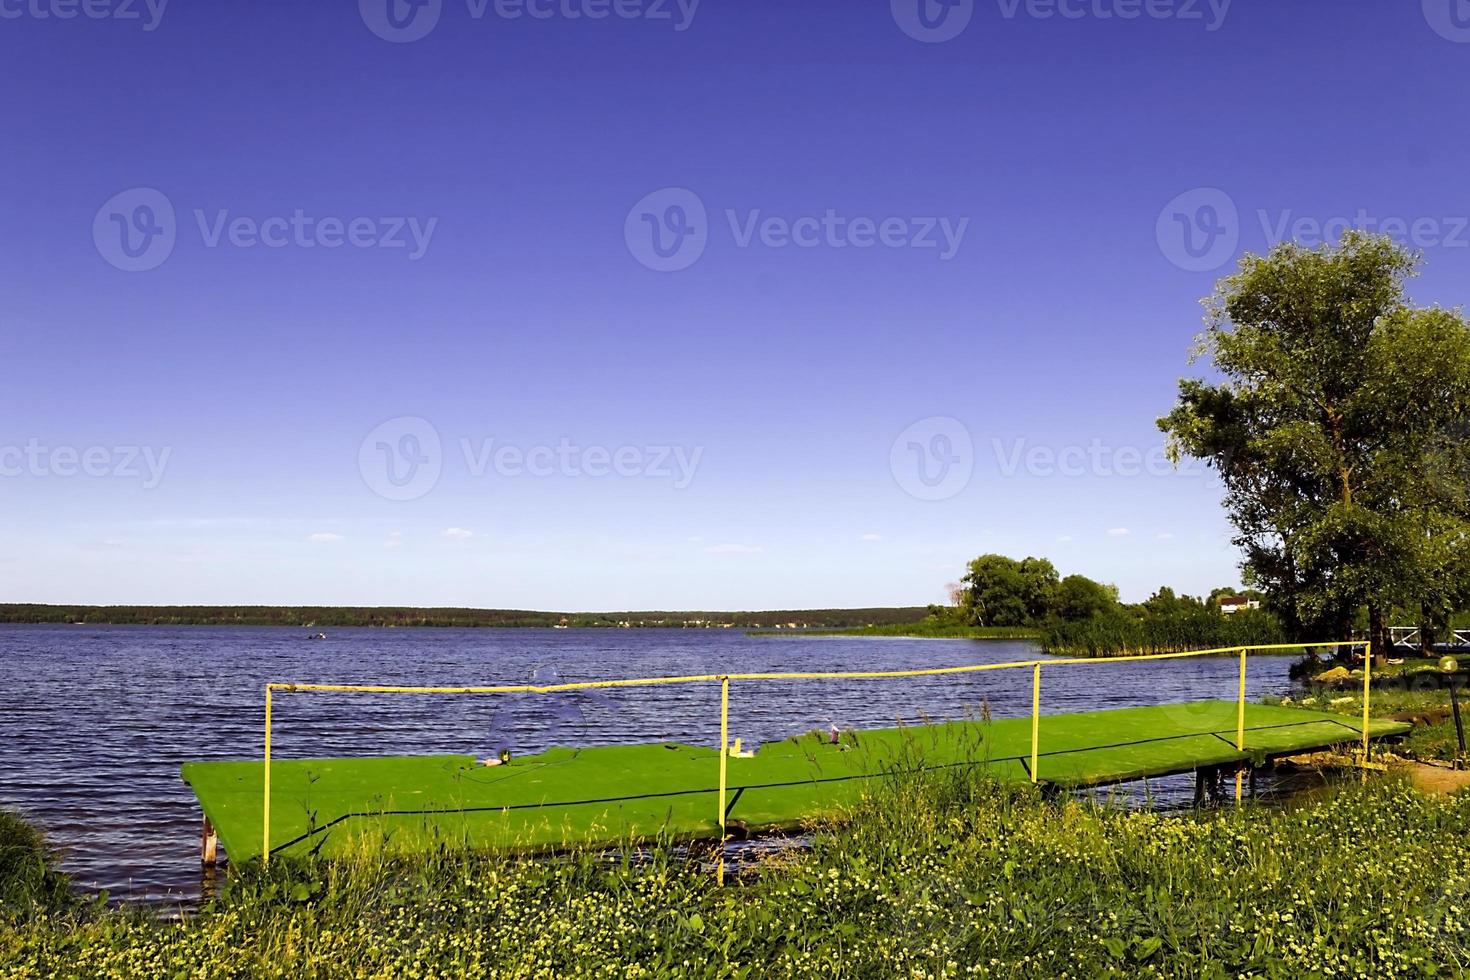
[(324, 616)]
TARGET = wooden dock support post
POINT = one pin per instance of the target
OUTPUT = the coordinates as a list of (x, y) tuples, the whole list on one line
[(1207, 785), (208, 845)]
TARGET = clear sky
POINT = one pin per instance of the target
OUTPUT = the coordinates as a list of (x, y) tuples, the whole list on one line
[(601, 304)]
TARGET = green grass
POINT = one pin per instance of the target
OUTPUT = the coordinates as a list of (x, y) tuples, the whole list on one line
[(28, 879), (939, 874), (612, 794), (1433, 735)]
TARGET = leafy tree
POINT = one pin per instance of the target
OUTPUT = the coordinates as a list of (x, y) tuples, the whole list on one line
[(1336, 416), (1079, 598), (1001, 591)]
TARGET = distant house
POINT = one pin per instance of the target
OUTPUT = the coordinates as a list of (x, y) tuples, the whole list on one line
[(1230, 605)]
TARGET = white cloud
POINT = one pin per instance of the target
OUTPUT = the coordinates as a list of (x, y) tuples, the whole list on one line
[(734, 549), (872, 537), (1165, 535), (1118, 532), (1065, 538), (324, 537), (458, 534)]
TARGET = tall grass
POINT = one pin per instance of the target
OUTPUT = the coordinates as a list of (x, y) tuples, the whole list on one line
[(932, 629), (29, 882), (935, 874), (1122, 633)]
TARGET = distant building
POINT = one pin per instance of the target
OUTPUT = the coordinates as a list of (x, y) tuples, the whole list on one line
[(1230, 605)]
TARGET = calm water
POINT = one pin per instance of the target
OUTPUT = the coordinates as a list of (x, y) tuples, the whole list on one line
[(97, 721)]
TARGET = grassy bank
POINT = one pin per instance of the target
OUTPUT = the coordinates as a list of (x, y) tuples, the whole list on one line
[(1433, 737), (29, 882), (927, 629), (934, 876)]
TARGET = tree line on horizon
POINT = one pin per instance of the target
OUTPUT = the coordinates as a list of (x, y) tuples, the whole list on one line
[(307, 617)]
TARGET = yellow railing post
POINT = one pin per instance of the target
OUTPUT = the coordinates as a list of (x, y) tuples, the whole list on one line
[(265, 803), (1240, 726), (1035, 720), (1367, 693), (724, 762)]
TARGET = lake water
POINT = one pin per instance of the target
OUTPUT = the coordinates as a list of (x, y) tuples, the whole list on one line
[(98, 720)]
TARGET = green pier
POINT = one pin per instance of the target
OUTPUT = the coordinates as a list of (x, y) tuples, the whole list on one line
[(610, 795)]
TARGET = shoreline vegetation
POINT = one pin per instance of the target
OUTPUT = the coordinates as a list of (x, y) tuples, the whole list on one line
[(307, 617), (933, 874), (930, 629), (1002, 598)]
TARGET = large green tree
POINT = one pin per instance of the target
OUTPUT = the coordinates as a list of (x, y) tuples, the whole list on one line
[(1001, 591), (1336, 426)]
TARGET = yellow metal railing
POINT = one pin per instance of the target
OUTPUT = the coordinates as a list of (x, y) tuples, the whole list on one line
[(725, 679)]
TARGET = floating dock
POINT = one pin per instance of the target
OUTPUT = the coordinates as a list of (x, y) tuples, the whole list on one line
[(612, 795)]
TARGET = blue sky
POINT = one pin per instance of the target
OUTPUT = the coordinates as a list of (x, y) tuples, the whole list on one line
[(968, 253)]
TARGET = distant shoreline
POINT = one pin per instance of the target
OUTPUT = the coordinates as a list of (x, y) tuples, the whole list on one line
[(325, 617)]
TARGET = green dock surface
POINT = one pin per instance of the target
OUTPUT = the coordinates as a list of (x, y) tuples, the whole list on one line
[(613, 794)]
